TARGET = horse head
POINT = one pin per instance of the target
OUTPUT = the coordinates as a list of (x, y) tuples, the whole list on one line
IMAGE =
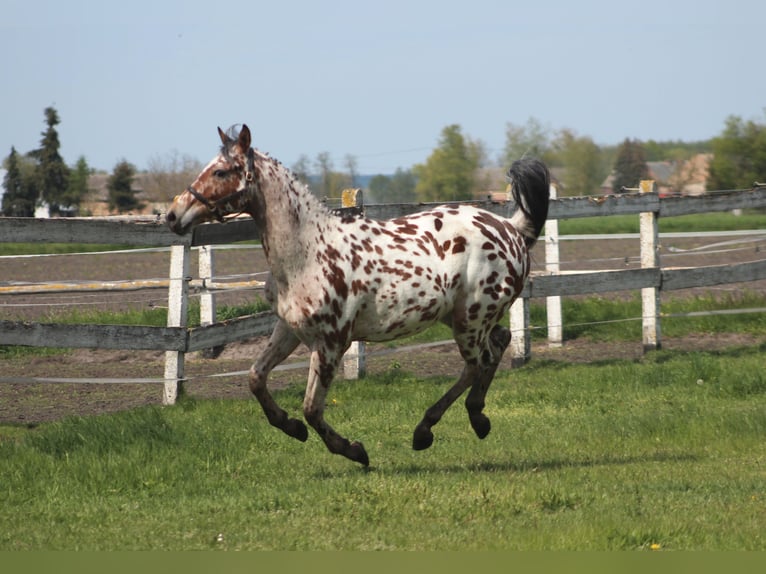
[(222, 188)]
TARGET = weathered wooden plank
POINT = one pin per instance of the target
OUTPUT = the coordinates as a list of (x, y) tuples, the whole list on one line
[(601, 205), (591, 282), (142, 232), (230, 232), (561, 208), (232, 330), (713, 275), (86, 230), (119, 286), (92, 336), (717, 201)]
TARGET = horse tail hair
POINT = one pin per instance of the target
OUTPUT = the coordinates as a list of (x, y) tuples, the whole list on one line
[(530, 188)]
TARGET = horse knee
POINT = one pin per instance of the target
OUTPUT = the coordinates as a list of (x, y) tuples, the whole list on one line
[(256, 380)]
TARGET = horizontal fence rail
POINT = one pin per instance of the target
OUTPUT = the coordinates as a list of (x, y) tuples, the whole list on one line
[(177, 338)]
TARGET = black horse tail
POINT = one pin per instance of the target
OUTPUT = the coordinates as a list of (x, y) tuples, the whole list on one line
[(530, 188)]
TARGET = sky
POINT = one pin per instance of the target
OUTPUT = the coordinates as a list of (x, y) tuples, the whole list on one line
[(144, 81)]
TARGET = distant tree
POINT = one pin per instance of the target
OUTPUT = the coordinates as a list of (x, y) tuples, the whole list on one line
[(302, 169), (20, 192), (739, 155), (583, 163), (449, 172), (324, 167), (352, 169), (380, 188), (53, 173), (675, 150), (122, 196), (398, 188), (77, 186), (330, 183), (167, 175), (530, 140), (630, 166)]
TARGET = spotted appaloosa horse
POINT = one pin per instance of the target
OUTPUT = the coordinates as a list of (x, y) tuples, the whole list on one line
[(339, 279)]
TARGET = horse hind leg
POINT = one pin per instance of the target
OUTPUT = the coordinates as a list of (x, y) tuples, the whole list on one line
[(498, 341), (281, 343), (321, 373), (423, 437), (477, 374)]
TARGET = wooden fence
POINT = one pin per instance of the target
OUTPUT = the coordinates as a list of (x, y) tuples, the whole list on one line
[(177, 339)]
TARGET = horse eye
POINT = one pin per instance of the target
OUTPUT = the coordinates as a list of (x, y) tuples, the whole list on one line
[(220, 173)]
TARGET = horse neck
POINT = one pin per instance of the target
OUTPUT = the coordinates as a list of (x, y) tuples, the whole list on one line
[(288, 216)]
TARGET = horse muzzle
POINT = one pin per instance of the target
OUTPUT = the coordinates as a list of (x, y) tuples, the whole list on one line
[(180, 217)]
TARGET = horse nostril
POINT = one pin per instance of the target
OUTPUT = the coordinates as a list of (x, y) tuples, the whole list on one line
[(170, 217)]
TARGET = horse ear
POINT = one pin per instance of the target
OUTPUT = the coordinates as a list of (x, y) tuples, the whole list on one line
[(224, 138), (244, 137)]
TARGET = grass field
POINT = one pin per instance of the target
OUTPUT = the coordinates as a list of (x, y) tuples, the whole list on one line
[(667, 453), (662, 454)]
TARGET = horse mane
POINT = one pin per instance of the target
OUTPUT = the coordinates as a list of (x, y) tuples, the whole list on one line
[(233, 134)]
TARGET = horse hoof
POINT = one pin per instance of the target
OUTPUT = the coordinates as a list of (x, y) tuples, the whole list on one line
[(481, 425), (422, 439), (357, 453), (296, 429)]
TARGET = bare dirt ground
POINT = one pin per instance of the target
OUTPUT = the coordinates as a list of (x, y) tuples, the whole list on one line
[(24, 401)]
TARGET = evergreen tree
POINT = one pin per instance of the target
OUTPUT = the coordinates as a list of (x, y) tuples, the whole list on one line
[(122, 196), (630, 166), (77, 186), (53, 173), (448, 174), (20, 193), (380, 189), (739, 155), (403, 184)]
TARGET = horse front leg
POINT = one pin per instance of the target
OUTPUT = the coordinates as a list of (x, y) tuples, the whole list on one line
[(281, 343), (321, 373)]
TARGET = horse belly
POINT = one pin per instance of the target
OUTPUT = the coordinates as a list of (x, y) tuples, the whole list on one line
[(390, 316)]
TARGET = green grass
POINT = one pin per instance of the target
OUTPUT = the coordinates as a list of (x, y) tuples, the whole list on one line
[(57, 248), (667, 453), (607, 319), (724, 221), (155, 317)]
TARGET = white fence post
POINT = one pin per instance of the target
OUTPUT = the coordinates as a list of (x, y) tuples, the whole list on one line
[(553, 303), (355, 360), (178, 304), (650, 258), (207, 297), (521, 344), (207, 306)]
